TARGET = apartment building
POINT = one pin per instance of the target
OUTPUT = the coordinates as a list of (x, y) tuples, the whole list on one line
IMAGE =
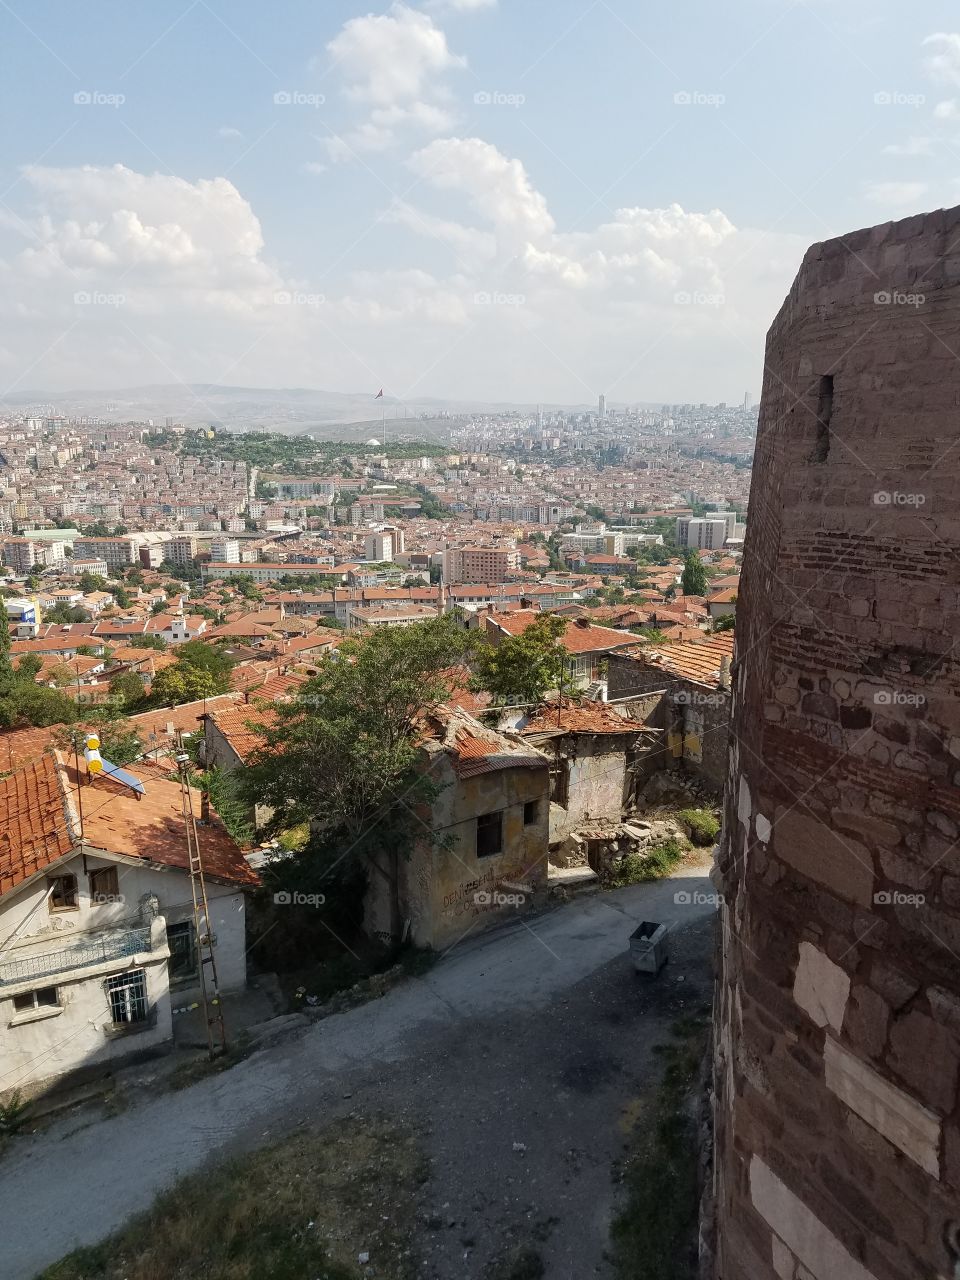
[(118, 553), (21, 554), (378, 546), (480, 564)]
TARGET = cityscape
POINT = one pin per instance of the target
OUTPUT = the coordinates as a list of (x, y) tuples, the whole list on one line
[(478, 679)]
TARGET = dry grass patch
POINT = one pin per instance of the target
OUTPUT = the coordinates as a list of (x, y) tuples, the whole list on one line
[(305, 1209)]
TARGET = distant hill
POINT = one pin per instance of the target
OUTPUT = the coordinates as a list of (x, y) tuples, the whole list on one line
[(293, 409)]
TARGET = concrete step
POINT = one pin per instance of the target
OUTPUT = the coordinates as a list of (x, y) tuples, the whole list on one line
[(575, 880)]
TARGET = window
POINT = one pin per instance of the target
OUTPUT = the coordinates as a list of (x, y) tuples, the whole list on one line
[(183, 953), (489, 834), (559, 783), (529, 813), (104, 885), (44, 998), (127, 997), (63, 893), (821, 447)]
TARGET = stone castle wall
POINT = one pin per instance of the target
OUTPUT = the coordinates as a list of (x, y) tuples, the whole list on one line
[(838, 1006)]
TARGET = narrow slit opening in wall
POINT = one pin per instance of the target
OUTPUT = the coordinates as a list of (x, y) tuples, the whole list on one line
[(821, 447)]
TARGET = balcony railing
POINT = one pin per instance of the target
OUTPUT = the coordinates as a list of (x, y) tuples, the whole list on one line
[(108, 946)]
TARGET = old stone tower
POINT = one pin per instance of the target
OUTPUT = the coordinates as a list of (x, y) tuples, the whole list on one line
[(838, 1009)]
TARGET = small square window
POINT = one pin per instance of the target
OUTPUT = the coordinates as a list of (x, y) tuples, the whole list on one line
[(104, 886), (44, 998), (530, 813), (489, 834), (63, 893)]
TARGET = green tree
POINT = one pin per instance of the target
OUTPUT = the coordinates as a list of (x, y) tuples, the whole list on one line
[(224, 791), (209, 658), (694, 579), (122, 597), (725, 622), (62, 675), (525, 667), (66, 613), (127, 688), (118, 741), (149, 641), (360, 715), (181, 683)]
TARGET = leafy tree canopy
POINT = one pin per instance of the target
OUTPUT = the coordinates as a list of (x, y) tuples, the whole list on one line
[(525, 667)]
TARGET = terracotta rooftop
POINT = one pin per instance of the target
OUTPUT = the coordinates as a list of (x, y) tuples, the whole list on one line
[(34, 830), (39, 811), (582, 717), (473, 748), (691, 660), (152, 827), (576, 639), (234, 723)]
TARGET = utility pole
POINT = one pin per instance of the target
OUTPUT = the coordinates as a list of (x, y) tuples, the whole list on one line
[(209, 988)]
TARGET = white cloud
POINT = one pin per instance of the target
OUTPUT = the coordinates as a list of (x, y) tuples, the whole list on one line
[(315, 167), (942, 65), (228, 131), (497, 187), (470, 244), (649, 303), (896, 194), (948, 110), (912, 147), (393, 65), (462, 6)]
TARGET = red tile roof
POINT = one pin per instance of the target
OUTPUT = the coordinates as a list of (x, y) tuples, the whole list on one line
[(576, 638), (582, 717), (698, 661), (34, 827)]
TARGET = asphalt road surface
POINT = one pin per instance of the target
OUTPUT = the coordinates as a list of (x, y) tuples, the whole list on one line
[(516, 1057)]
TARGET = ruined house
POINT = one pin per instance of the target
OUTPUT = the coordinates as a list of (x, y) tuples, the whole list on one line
[(693, 678), (837, 1118), (600, 756), (492, 819)]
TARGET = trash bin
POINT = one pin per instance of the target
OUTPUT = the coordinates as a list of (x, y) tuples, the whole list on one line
[(648, 947)]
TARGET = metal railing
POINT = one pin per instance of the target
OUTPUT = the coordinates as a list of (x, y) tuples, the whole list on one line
[(81, 955)]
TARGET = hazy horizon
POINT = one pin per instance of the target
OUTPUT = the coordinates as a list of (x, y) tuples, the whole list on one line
[(448, 200)]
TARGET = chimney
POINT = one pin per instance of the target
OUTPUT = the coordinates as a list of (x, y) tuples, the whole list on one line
[(723, 681)]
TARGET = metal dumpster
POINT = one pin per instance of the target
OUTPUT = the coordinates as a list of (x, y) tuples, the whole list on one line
[(648, 947)]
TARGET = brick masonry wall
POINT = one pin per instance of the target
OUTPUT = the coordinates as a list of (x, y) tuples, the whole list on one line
[(838, 1006)]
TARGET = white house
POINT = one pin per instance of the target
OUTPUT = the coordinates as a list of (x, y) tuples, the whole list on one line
[(97, 937)]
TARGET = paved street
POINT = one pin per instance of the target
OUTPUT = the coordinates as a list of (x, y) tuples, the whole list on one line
[(514, 1057)]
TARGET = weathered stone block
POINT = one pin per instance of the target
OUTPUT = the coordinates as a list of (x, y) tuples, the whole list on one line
[(839, 862), (926, 1056), (821, 987), (900, 1118)]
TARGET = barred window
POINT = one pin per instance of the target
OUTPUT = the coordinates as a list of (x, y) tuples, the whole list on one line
[(127, 995)]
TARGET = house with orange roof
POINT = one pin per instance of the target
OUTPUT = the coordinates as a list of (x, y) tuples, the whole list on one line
[(600, 756), (98, 937), (493, 807), (492, 804), (693, 679), (588, 647)]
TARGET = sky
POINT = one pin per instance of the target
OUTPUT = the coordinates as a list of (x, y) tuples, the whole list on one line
[(502, 200)]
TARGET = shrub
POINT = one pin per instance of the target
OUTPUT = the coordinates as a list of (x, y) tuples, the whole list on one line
[(704, 827)]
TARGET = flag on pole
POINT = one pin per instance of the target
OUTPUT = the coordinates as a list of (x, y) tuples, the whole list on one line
[(379, 395)]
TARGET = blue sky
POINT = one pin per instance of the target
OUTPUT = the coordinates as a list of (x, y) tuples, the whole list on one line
[(466, 199)]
